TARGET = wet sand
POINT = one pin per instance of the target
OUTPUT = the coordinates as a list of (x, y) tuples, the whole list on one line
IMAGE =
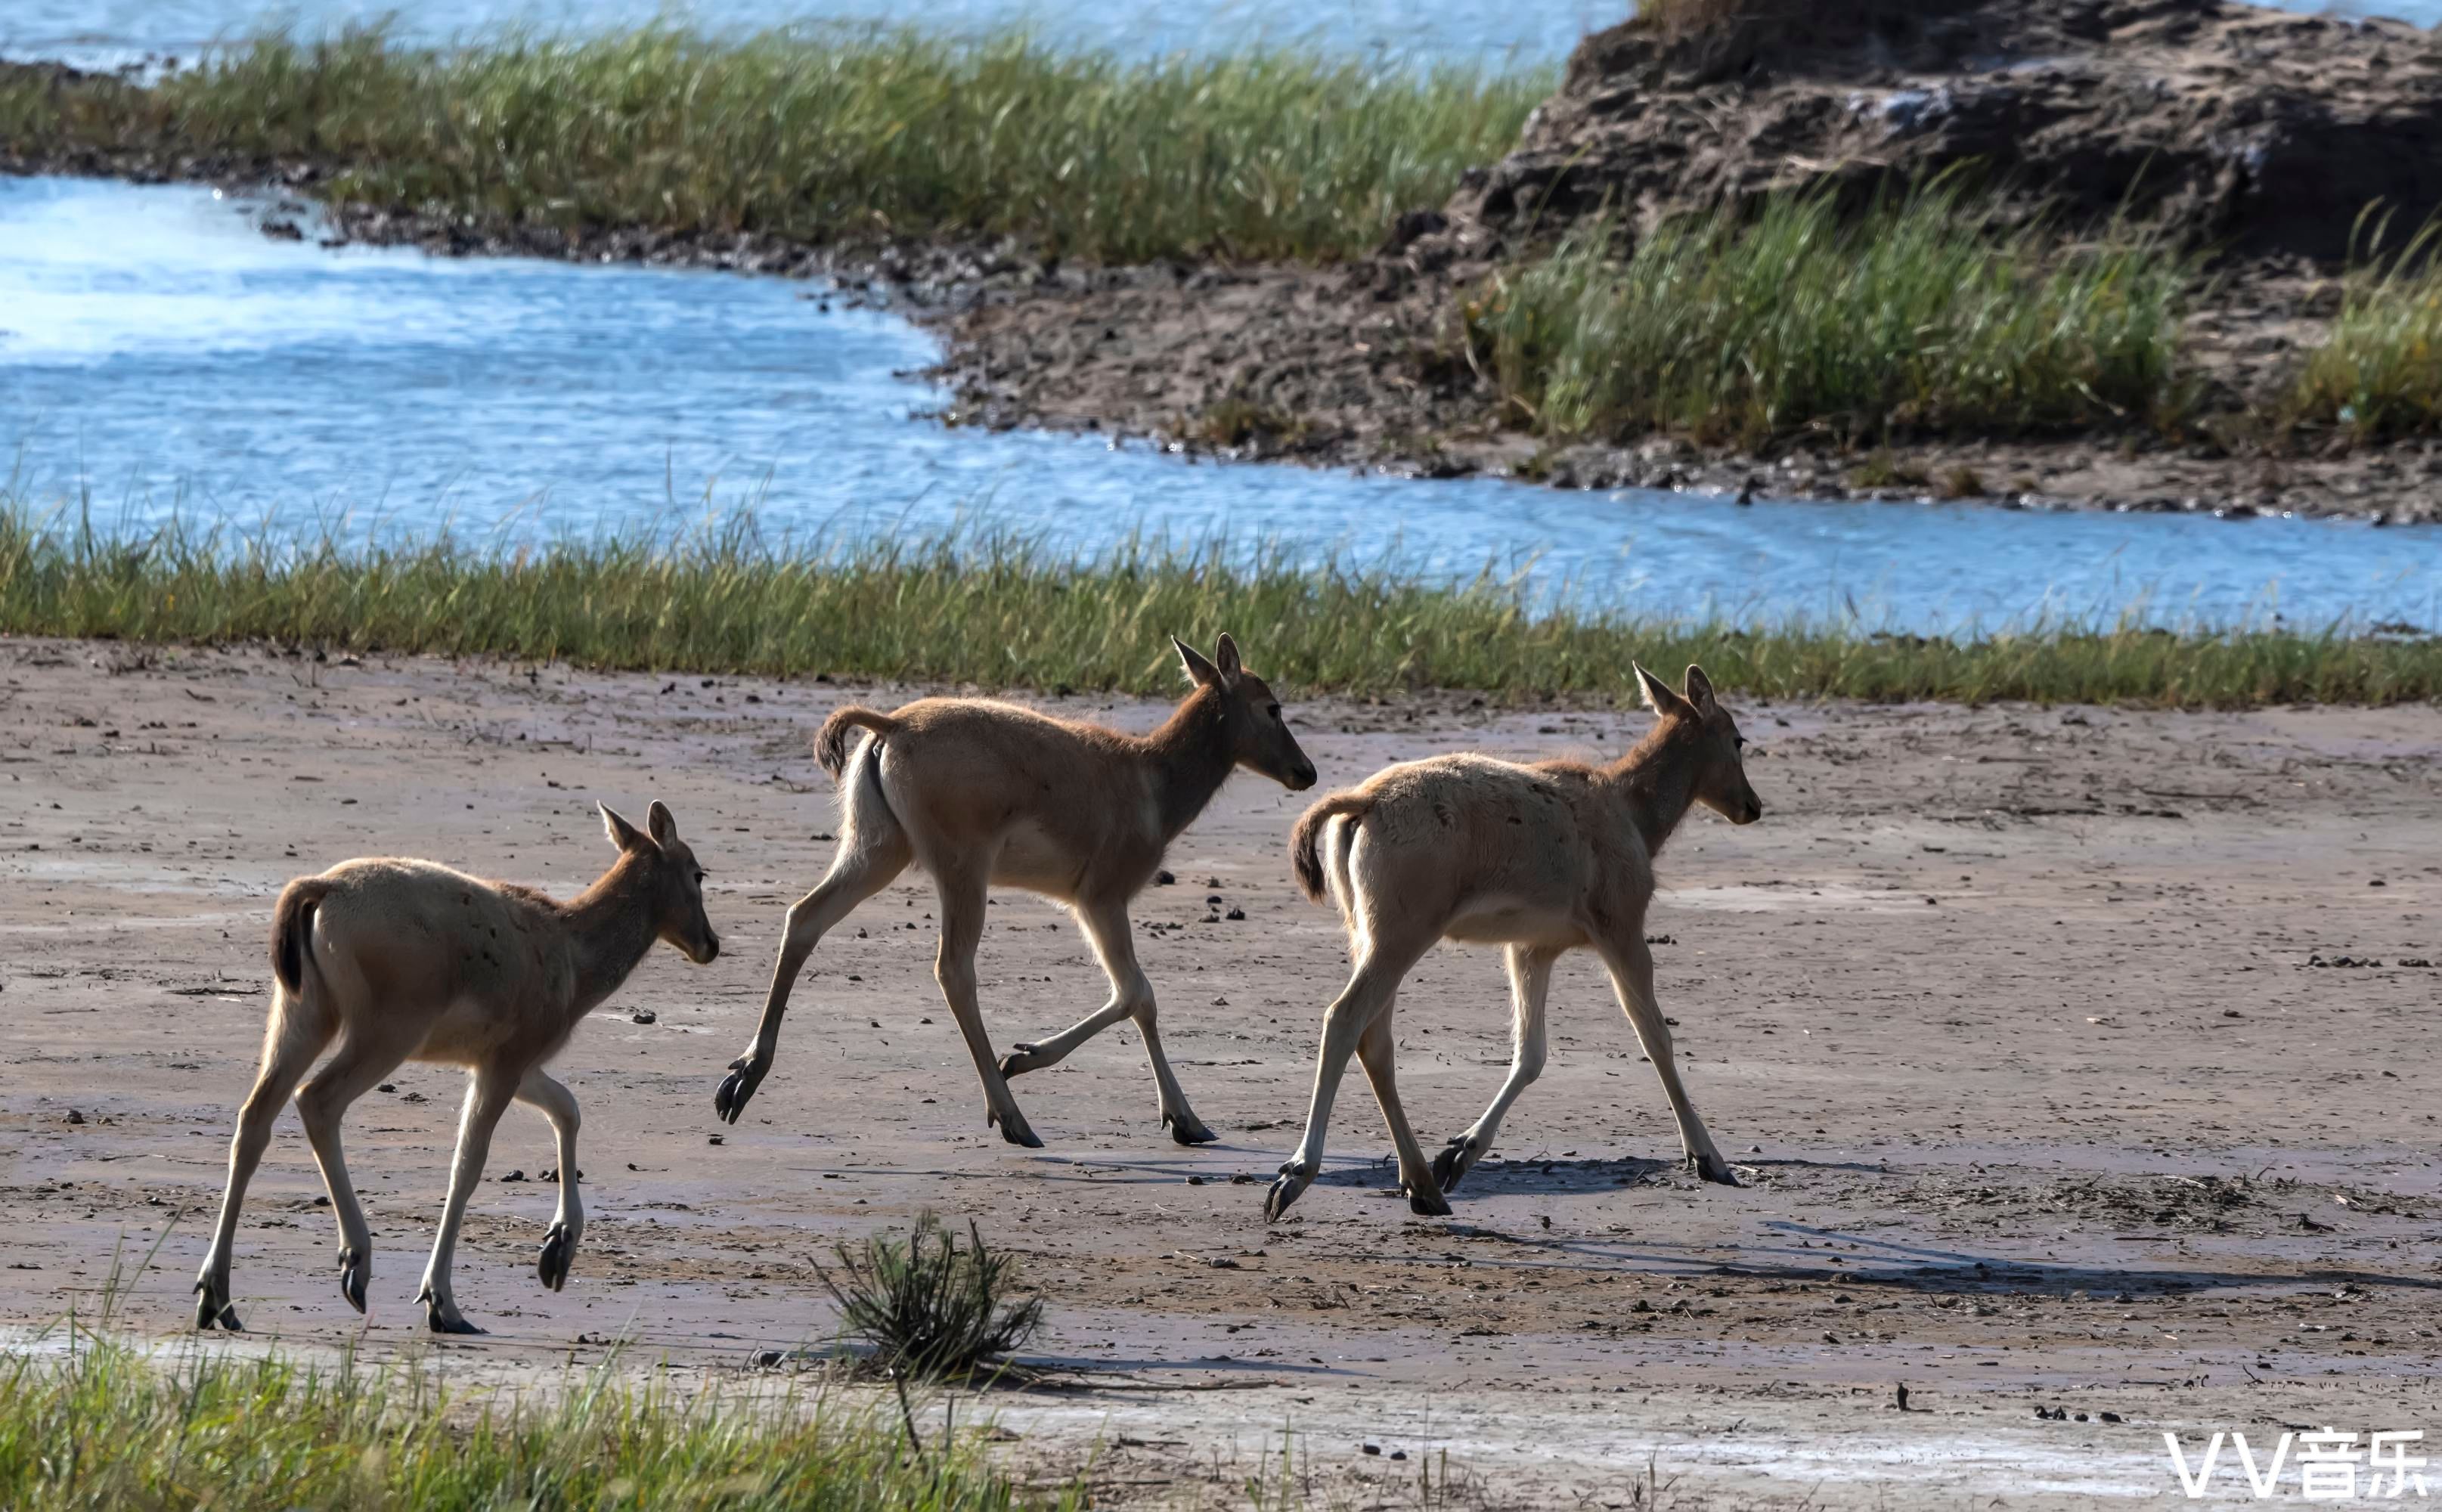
[(2008, 1018)]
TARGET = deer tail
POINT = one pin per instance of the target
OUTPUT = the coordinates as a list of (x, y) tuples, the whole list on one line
[(830, 742), (292, 921), (1306, 840)]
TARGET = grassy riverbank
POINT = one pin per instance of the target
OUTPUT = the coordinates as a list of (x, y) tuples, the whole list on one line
[(823, 135), (1007, 617), (1911, 316), (98, 1425)]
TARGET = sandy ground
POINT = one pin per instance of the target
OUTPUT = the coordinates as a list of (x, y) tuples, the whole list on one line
[(2010, 1017)]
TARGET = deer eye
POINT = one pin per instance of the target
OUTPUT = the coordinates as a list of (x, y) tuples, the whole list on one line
[(1741, 741), (698, 879), (1274, 710)]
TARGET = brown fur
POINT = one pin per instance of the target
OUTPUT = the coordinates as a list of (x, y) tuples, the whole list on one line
[(1303, 839), (290, 918), (1541, 858), (401, 960), (830, 742), (980, 793)]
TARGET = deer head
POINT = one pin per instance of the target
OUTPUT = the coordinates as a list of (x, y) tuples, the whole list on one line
[(1251, 715), (672, 878), (1695, 715)]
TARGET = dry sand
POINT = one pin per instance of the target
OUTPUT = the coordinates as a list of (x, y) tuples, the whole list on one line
[(2006, 1015)]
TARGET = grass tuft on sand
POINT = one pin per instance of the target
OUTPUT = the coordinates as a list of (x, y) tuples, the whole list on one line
[(1911, 317), (1009, 615), (825, 133)]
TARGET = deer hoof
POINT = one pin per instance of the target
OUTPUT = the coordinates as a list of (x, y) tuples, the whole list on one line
[(1187, 1128), (1015, 1130), (442, 1315), (558, 1249), (1284, 1190), (745, 1075), (1447, 1169), (1428, 1203), (354, 1271), (1711, 1167), (212, 1307)]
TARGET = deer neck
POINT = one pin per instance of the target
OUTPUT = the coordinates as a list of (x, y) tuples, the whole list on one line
[(1656, 779), (1190, 759), (610, 928)]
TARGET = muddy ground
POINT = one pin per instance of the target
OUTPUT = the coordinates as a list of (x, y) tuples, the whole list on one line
[(2012, 1018)]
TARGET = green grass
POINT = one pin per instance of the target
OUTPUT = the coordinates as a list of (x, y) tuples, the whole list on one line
[(2379, 375), (1004, 616), (1909, 319), (101, 1426), (929, 1308), (830, 134)]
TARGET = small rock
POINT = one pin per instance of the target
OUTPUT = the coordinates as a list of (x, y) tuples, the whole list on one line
[(769, 1358), (1222, 1263), (2109, 1418), (1373, 1448), (1399, 1455), (1195, 1181), (75, 1117), (642, 1016), (713, 1139), (1235, 913), (515, 1176), (1164, 879), (387, 1087)]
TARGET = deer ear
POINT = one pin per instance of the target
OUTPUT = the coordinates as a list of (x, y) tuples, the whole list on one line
[(1203, 673), (663, 824), (1224, 657), (1658, 695), (623, 834), (1699, 689)]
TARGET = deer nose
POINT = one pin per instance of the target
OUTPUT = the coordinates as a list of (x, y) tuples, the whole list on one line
[(1302, 777)]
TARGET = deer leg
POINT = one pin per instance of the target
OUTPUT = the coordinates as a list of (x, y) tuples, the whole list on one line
[(1369, 991), (557, 1103), (1530, 978), (1106, 930), (489, 1091), (1377, 1051), (363, 1058), (962, 927), (1631, 974), (875, 851), (293, 1039)]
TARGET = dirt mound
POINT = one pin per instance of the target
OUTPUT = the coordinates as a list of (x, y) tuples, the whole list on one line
[(2257, 130)]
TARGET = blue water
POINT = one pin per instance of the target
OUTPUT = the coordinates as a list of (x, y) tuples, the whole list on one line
[(160, 356)]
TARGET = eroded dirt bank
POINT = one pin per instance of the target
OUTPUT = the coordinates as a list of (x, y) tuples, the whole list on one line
[(2009, 1017), (2256, 135)]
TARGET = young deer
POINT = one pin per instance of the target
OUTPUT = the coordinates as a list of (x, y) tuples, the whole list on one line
[(1540, 859), (978, 793), (405, 960)]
